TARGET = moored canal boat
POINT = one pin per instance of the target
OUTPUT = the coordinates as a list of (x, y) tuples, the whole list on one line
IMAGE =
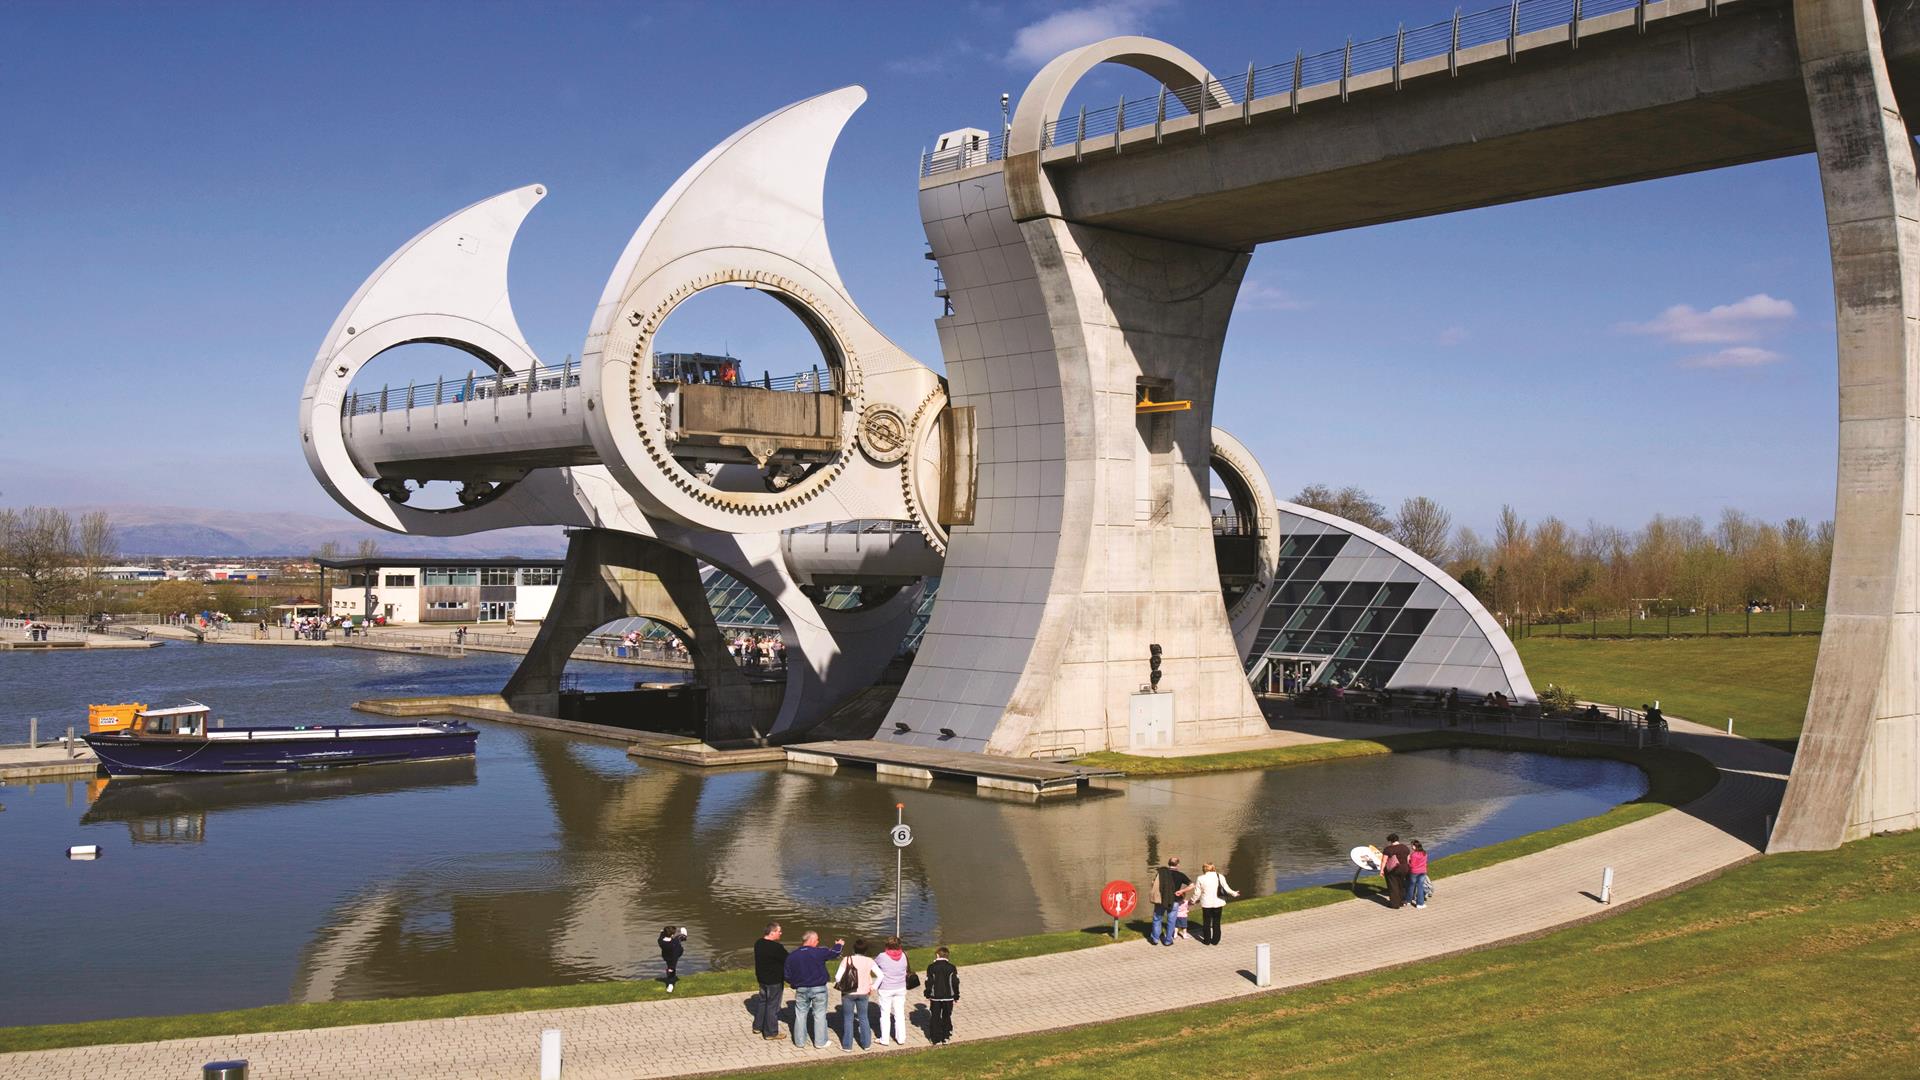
[(133, 740)]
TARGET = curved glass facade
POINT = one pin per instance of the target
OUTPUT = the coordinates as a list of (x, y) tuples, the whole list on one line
[(1351, 608)]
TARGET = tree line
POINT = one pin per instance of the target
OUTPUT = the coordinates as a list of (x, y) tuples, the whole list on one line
[(1550, 570), (50, 560)]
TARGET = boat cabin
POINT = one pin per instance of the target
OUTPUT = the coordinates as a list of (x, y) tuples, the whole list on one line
[(135, 718)]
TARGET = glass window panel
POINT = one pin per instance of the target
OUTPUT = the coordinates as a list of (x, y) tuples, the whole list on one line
[(1375, 621), (1330, 544), (1413, 620), (1394, 647), (1358, 647), (1340, 619), (1295, 641), (1359, 594), (1324, 593), (1277, 616), (1377, 674), (1398, 593), (1307, 618), (1312, 569), (1285, 569), (1293, 592), (1296, 546), (1325, 644)]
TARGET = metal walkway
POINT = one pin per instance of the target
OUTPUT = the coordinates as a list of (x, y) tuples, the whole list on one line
[(987, 771)]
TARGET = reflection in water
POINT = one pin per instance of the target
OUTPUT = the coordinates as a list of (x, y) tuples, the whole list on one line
[(175, 810), (724, 852), (551, 859)]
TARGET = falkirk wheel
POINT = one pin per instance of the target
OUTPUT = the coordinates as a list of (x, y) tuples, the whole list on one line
[(1081, 605)]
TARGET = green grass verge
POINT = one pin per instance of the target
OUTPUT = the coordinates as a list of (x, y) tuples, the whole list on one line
[(1793, 965), (1673, 778), (1763, 683)]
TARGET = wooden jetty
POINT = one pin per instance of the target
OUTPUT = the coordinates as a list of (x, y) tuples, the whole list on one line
[(988, 771)]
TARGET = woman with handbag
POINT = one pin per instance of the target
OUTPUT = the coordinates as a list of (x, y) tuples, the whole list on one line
[(855, 980), (895, 978), (1213, 890)]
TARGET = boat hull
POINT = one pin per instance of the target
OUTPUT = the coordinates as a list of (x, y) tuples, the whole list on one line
[(279, 751)]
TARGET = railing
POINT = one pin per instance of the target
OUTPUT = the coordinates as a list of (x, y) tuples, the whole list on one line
[(473, 386), (859, 525), (1692, 622), (1235, 525), (816, 381), (1604, 723), (1391, 52)]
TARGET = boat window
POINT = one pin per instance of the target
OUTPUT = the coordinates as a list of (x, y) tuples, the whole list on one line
[(160, 725)]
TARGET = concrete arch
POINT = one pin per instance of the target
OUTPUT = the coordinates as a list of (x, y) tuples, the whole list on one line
[(1237, 466), (1030, 194)]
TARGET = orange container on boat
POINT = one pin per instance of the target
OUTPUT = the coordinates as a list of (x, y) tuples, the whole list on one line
[(112, 717)]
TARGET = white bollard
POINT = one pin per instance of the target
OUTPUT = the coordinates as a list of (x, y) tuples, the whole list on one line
[(1263, 964), (33, 733), (1729, 725), (550, 1054), (1606, 886)]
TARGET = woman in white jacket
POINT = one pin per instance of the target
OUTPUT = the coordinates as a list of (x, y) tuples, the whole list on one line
[(1210, 886)]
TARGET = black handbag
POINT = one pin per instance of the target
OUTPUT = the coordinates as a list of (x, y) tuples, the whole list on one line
[(849, 979), (913, 981)]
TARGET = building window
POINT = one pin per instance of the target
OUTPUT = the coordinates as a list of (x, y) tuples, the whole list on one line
[(495, 610), (448, 605), (399, 581), (451, 575), (540, 575), (496, 575)]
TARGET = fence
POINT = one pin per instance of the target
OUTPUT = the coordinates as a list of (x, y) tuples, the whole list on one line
[(1707, 622), (1506, 23), (1597, 723), (475, 386)]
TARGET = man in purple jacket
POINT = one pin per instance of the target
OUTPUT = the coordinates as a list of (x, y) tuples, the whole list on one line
[(807, 974)]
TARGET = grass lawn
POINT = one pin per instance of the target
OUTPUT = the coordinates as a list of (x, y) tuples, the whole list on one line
[(1794, 965), (1673, 778), (1762, 683)]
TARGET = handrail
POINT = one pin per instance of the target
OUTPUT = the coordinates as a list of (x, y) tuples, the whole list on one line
[(1339, 66), (473, 386)]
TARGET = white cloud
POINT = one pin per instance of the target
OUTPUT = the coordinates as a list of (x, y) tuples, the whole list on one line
[(1259, 296), (1453, 335), (1036, 43), (1736, 356), (1743, 320)]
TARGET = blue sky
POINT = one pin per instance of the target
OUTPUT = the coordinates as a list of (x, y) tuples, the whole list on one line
[(193, 191)]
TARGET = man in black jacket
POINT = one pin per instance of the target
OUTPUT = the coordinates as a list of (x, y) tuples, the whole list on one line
[(770, 971), (943, 989)]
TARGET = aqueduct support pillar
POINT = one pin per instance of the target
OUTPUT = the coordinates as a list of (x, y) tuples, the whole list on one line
[(613, 575), (1858, 766)]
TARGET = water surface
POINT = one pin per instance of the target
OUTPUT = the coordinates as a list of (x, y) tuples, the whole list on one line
[(554, 859)]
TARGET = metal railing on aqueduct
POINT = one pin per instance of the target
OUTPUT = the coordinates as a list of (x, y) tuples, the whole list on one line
[(1506, 23)]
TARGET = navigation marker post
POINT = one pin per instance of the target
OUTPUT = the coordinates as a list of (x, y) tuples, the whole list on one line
[(902, 835)]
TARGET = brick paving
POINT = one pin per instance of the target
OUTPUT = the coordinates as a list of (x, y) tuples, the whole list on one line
[(703, 1035)]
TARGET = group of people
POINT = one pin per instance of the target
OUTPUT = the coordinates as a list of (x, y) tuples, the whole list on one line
[(864, 977), (767, 650), (1404, 865), (1173, 895)]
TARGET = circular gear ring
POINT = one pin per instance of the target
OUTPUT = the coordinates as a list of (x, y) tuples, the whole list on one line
[(649, 413), (925, 513)]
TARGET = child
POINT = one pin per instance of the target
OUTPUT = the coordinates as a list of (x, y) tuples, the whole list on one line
[(672, 939), (1421, 887), (1180, 916), (943, 989)]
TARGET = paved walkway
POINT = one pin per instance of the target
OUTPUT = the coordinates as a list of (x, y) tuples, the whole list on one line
[(705, 1035)]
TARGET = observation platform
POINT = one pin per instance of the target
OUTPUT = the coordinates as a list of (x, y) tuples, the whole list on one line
[(923, 763)]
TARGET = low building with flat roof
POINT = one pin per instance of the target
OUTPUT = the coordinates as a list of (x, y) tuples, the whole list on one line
[(449, 590)]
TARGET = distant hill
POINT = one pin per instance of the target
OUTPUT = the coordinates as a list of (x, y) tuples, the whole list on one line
[(183, 530)]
